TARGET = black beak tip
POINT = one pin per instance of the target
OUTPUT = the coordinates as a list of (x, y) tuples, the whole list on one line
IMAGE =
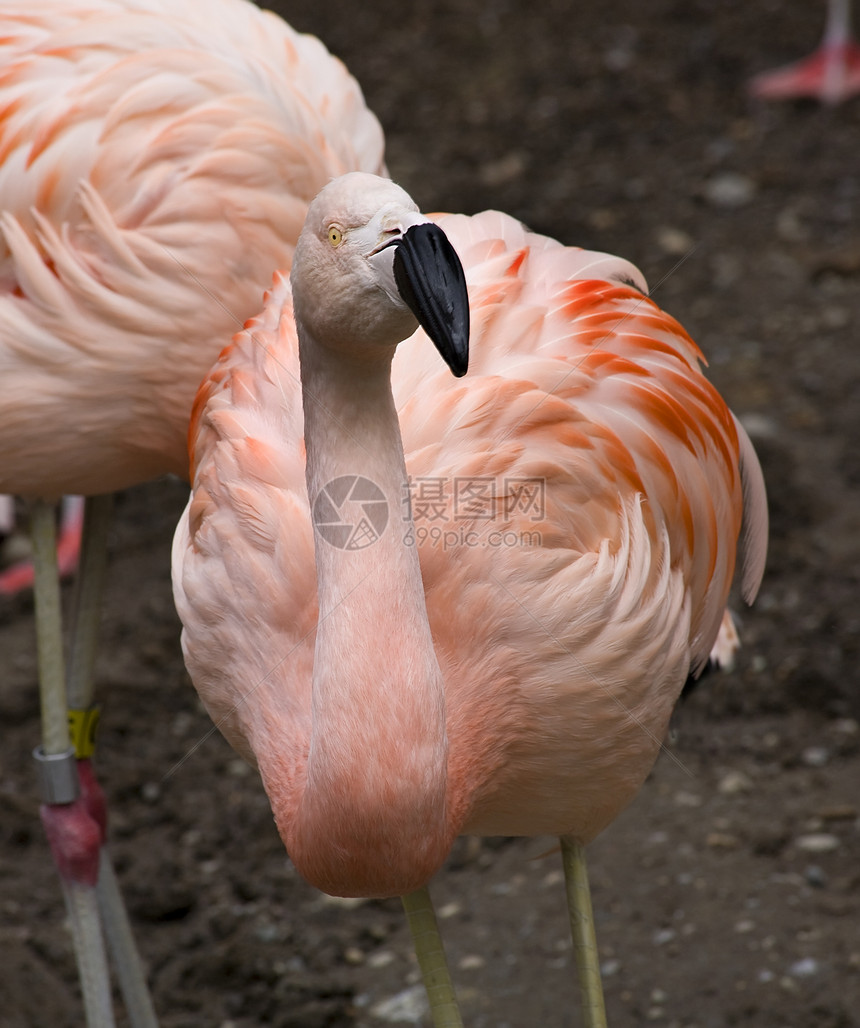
[(432, 282), (458, 361)]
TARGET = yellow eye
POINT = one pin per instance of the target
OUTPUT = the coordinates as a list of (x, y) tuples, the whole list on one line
[(335, 236)]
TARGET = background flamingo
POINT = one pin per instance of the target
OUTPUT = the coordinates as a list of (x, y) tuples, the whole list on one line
[(538, 700), (156, 161)]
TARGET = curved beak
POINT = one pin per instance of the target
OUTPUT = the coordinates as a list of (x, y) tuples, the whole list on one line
[(431, 282)]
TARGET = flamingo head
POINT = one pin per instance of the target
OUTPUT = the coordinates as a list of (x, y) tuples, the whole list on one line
[(369, 265)]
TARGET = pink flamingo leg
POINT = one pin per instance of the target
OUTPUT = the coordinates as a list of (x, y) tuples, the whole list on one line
[(20, 575), (831, 74)]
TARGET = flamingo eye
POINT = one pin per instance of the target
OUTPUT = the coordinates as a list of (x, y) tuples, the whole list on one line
[(335, 236)]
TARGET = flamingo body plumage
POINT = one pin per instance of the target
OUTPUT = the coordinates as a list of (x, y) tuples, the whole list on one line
[(156, 163), (563, 629)]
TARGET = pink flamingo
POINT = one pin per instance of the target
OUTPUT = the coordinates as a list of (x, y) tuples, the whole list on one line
[(513, 674), (830, 74), (156, 162)]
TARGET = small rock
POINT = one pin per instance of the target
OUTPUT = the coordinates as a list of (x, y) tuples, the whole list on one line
[(815, 876), (182, 724), (268, 932), (191, 838), (617, 59), (471, 962), (674, 241), (663, 936), (602, 218), (760, 426), (407, 1007), (816, 756), (817, 842), (381, 958), (683, 798), (759, 666), (621, 54), (790, 226), (733, 783), (610, 967), (238, 768), (729, 189), (804, 968), (346, 902), (836, 317), (722, 841), (378, 931), (353, 955)]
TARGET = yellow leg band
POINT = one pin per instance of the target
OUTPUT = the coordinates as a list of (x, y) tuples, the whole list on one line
[(82, 729)]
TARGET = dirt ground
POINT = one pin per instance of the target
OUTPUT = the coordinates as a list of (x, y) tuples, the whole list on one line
[(729, 893)]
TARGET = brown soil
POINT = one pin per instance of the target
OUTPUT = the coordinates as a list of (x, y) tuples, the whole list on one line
[(729, 894)]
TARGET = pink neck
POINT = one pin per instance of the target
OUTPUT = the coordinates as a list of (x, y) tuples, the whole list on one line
[(372, 819)]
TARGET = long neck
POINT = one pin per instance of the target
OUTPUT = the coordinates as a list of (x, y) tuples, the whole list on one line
[(372, 819)]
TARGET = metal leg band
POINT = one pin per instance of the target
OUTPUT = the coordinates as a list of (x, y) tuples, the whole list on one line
[(57, 775)]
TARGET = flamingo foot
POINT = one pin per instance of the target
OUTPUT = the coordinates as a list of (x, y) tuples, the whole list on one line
[(831, 75)]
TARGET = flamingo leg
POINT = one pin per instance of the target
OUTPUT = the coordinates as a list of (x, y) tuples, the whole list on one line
[(582, 930), (20, 575), (89, 589), (122, 947), (831, 73), (49, 633), (431, 959), (72, 834)]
